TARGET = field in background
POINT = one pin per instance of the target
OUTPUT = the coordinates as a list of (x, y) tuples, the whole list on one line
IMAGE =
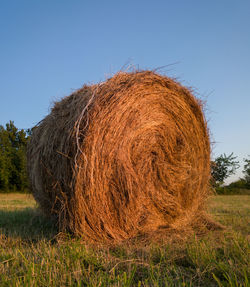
[(32, 254)]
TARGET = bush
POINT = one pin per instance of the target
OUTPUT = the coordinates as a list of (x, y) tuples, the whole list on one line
[(231, 190)]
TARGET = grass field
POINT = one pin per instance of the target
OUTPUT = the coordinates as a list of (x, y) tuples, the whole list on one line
[(32, 254)]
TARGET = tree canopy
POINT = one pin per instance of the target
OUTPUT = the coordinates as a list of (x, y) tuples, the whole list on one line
[(222, 167), (246, 170), (13, 143)]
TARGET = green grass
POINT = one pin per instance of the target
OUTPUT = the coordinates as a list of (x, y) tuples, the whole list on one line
[(32, 254)]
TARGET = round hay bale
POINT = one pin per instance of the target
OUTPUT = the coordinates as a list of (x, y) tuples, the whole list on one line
[(123, 158)]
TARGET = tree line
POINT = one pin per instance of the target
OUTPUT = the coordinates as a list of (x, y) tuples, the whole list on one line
[(13, 171)]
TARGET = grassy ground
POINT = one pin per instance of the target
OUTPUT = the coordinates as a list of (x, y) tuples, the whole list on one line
[(30, 255)]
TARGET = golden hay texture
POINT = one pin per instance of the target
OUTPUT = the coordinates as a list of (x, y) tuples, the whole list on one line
[(122, 159)]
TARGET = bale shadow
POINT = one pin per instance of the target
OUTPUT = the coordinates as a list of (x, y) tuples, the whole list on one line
[(27, 224)]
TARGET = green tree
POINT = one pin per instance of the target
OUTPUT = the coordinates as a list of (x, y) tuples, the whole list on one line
[(222, 167), (5, 164), (13, 142), (246, 171)]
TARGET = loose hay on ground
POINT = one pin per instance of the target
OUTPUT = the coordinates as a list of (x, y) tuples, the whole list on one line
[(125, 158)]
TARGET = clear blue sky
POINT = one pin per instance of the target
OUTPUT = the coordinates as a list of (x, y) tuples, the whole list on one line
[(50, 48)]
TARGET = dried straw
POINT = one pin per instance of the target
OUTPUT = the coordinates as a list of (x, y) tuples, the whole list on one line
[(122, 159)]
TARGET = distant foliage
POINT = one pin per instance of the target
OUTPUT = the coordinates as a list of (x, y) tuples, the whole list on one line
[(241, 184), (222, 167), (246, 171), (229, 190), (13, 174)]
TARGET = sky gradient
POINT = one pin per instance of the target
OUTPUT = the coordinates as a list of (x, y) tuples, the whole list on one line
[(50, 48)]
